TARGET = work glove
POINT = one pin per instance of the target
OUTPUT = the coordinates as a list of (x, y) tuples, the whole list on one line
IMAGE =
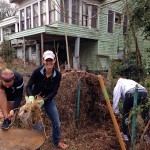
[(30, 100), (40, 102)]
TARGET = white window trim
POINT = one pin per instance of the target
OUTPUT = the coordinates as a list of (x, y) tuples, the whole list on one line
[(114, 24)]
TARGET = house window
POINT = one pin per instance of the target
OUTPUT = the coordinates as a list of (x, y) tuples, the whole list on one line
[(64, 10), (125, 24), (28, 11), (33, 49), (110, 21), (51, 11), (22, 19), (75, 12), (94, 17), (43, 12), (35, 15), (85, 14), (118, 18)]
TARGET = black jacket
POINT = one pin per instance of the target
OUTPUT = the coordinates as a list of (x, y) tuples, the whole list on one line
[(39, 84)]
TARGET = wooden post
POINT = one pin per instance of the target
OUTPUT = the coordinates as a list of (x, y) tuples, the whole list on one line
[(42, 48), (24, 53)]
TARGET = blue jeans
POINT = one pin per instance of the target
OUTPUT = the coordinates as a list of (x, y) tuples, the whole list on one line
[(128, 105), (51, 110)]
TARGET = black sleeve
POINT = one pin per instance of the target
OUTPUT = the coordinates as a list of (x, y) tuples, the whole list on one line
[(31, 83), (17, 94), (55, 87), (18, 97)]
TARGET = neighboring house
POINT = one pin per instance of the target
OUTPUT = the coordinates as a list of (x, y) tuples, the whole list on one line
[(8, 26), (95, 35)]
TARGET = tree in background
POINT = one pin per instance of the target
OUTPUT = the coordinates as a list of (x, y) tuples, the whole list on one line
[(141, 16), (137, 12), (6, 51), (7, 9)]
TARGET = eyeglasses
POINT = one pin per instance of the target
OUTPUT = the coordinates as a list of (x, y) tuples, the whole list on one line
[(7, 80)]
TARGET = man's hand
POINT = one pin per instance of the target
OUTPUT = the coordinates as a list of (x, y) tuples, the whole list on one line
[(30, 100), (11, 114), (117, 114)]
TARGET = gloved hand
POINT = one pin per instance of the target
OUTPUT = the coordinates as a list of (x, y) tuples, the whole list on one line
[(40, 102), (30, 100)]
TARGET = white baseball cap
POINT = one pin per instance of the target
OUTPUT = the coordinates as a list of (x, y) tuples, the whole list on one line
[(48, 54)]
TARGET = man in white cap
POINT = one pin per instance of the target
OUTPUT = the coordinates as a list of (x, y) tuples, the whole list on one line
[(45, 81), (11, 93)]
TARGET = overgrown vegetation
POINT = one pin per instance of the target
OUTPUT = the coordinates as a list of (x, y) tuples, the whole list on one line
[(7, 52)]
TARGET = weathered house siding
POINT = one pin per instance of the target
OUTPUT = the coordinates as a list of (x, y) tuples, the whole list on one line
[(97, 46)]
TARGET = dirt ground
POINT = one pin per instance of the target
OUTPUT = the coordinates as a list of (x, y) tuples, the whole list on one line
[(92, 129)]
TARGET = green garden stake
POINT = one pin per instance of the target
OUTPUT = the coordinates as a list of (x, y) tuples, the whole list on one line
[(134, 117), (78, 104)]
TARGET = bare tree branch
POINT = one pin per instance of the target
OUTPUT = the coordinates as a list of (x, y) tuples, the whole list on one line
[(7, 9)]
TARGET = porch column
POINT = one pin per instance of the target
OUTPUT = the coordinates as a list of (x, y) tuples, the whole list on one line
[(16, 27), (39, 14), (42, 47), (1, 31), (76, 59), (38, 54), (24, 51), (47, 12)]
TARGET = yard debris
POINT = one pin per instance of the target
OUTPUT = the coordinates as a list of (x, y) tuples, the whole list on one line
[(95, 129)]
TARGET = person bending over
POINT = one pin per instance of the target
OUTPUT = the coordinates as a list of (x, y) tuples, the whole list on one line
[(11, 93)]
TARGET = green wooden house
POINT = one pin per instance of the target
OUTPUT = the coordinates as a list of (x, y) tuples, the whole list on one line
[(95, 32)]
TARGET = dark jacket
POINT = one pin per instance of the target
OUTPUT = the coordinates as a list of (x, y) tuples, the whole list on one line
[(39, 84)]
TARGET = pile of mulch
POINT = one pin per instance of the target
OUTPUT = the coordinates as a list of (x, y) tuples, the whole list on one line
[(88, 126)]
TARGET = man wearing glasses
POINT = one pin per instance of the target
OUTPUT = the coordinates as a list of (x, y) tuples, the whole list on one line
[(11, 93)]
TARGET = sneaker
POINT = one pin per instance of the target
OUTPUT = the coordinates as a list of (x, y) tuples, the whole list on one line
[(6, 124), (125, 137)]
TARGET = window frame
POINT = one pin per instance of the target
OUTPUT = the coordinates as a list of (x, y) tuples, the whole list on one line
[(22, 20), (75, 12), (51, 12), (43, 12), (35, 15), (28, 17), (85, 14), (94, 19)]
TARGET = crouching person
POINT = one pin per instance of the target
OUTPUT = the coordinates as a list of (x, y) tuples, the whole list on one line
[(11, 93), (125, 89)]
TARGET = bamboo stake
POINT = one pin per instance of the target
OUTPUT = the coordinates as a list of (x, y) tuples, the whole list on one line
[(100, 78), (66, 37)]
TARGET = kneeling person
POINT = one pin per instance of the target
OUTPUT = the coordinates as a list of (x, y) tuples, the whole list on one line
[(11, 93)]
